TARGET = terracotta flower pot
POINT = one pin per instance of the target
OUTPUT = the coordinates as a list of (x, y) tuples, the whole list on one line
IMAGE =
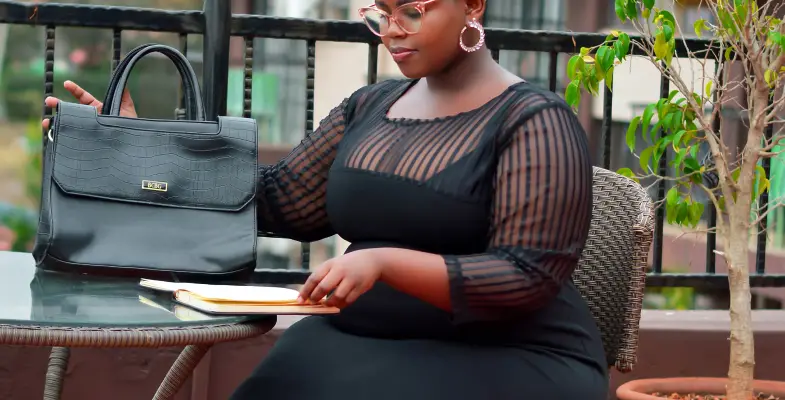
[(643, 388)]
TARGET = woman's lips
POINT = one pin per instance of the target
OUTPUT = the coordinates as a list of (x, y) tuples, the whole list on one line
[(401, 54)]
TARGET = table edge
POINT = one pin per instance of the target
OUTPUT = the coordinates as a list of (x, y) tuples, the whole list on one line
[(124, 336)]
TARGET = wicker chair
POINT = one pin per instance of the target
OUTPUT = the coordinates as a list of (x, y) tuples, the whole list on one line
[(612, 272)]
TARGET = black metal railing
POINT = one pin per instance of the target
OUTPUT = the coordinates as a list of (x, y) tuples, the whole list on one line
[(217, 24)]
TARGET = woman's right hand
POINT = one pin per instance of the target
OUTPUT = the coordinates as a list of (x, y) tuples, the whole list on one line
[(127, 108)]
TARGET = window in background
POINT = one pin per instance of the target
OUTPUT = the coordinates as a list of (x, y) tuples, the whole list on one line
[(531, 15), (284, 60), (282, 64)]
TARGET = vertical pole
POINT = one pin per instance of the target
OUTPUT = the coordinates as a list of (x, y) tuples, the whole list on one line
[(217, 29)]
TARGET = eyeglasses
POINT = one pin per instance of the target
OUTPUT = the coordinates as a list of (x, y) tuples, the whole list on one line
[(408, 17)]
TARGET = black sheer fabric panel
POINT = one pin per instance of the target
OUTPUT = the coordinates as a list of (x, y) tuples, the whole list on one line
[(541, 171)]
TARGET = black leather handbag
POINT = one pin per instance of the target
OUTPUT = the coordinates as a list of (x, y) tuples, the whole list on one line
[(148, 198)]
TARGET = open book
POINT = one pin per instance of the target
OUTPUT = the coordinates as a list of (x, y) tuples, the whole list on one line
[(237, 299)]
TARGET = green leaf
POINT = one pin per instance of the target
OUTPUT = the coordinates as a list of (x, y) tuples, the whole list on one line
[(699, 26), (592, 84), (727, 53), (657, 128), (667, 30), (667, 121), (677, 139), (677, 122), (762, 183), (777, 38), (648, 113), (604, 58), (770, 77), (648, 4), (645, 157), (694, 151), (572, 94), (632, 9), (621, 46), (698, 99), (709, 84), (695, 213), (726, 21), (672, 94), (691, 164), (624, 45), (667, 18), (631, 131), (609, 79), (659, 150), (574, 65), (696, 178), (683, 214), (672, 197), (619, 6), (741, 12), (680, 155), (626, 172), (662, 108), (661, 48)]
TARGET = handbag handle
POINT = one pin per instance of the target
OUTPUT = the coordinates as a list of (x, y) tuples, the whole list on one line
[(194, 108), (116, 76)]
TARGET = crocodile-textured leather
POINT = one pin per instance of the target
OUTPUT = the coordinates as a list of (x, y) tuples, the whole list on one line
[(207, 165), (164, 199)]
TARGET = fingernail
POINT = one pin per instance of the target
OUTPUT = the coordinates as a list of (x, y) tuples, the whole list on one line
[(300, 300)]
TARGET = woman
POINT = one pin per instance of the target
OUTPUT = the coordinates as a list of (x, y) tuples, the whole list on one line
[(466, 195)]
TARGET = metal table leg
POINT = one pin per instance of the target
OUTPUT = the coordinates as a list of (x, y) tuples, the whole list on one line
[(181, 370), (55, 372)]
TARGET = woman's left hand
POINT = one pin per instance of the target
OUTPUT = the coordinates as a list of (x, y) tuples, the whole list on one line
[(347, 277)]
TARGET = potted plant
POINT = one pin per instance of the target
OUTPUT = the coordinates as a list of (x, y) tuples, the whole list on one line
[(747, 34)]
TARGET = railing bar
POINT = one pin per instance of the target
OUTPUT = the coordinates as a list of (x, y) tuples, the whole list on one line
[(193, 22), (553, 66), (310, 71), (49, 65), (659, 218), (117, 45), (711, 236), (218, 18), (248, 77), (373, 63), (704, 281), (760, 253), (607, 111), (180, 111), (496, 54), (710, 281)]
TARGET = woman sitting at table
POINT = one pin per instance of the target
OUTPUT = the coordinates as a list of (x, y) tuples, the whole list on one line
[(466, 194)]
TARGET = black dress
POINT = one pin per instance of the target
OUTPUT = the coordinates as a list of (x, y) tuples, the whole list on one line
[(502, 192)]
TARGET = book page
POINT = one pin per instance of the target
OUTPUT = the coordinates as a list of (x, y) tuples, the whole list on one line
[(228, 293)]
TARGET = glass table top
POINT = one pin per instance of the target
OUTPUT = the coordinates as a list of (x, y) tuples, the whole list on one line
[(29, 296)]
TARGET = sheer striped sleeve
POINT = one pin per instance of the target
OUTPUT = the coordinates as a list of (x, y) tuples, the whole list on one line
[(291, 196), (541, 215)]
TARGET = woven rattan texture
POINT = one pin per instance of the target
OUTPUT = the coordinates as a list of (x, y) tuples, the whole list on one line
[(612, 272), (131, 337)]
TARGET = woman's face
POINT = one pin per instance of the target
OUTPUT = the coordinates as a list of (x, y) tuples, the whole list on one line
[(425, 38)]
